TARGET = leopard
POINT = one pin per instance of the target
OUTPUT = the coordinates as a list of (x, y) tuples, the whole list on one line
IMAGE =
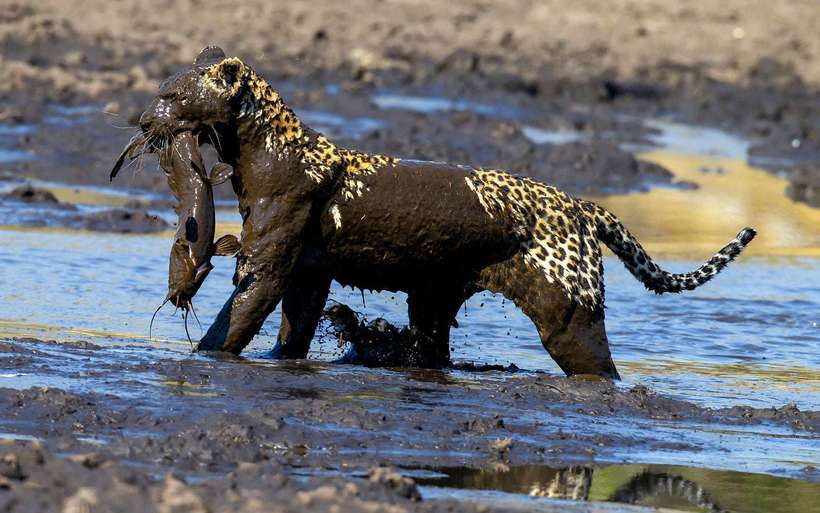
[(314, 212)]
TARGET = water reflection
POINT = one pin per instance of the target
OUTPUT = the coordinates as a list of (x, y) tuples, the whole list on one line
[(649, 487), (658, 486), (568, 483)]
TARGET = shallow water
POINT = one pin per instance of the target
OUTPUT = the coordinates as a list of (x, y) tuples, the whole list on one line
[(333, 125), (431, 104), (749, 337), (727, 343)]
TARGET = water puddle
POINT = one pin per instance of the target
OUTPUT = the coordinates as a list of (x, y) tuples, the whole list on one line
[(68, 116), (697, 140), (7, 155), (653, 486), (430, 104), (17, 437), (8, 133), (333, 125), (732, 195), (674, 137), (15, 130), (749, 337), (542, 136)]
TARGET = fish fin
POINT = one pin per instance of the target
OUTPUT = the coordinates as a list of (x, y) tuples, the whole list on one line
[(202, 271), (220, 173), (227, 245), (181, 251)]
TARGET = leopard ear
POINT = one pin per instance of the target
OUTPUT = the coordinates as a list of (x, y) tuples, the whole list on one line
[(229, 71), (209, 55), (225, 76)]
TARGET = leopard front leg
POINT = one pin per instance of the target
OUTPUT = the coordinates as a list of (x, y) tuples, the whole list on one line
[(302, 308), (270, 250)]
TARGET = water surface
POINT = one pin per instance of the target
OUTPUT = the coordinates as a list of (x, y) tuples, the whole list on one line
[(749, 337)]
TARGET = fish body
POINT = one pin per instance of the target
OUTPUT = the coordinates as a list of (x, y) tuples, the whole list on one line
[(190, 259)]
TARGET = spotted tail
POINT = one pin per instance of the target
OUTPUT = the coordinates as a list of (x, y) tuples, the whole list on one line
[(617, 238)]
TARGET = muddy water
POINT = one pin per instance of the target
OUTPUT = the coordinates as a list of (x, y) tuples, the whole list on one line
[(750, 337)]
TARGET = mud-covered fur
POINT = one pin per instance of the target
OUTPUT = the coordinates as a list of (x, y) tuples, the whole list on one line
[(314, 212), (285, 132), (560, 236)]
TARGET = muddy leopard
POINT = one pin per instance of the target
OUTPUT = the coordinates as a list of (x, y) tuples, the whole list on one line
[(314, 212)]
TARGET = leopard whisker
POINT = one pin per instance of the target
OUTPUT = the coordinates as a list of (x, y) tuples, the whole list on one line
[(218, 144)]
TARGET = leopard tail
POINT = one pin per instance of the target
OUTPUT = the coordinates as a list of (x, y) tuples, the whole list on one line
[(614, 234)]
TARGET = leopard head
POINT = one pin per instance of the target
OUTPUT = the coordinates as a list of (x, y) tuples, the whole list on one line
[(209, 99)]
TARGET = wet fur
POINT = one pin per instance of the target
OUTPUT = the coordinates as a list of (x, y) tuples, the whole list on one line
[(314, 212)]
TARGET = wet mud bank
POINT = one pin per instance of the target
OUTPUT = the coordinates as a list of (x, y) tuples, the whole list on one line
[(533, 142), (526, 89), (124, 417), (84, 82), (31, 206), (34, 479)]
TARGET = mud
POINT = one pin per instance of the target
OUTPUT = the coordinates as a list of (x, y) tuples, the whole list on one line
[(548, 67), (30, 194), (805, 185), (225, 433), (378, 343), (27, 205), (116, 425), (33, 479)]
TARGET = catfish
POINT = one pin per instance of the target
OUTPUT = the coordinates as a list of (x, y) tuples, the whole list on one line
[(190, 259)]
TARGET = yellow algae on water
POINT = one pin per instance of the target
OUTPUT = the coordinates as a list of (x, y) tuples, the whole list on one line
[(746, 374), (732, 195), (87, 196), (12, 328), (683, 223), (182, 387)]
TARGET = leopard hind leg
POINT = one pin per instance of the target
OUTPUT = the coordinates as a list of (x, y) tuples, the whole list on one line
[(432, 310), (573, 334)]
